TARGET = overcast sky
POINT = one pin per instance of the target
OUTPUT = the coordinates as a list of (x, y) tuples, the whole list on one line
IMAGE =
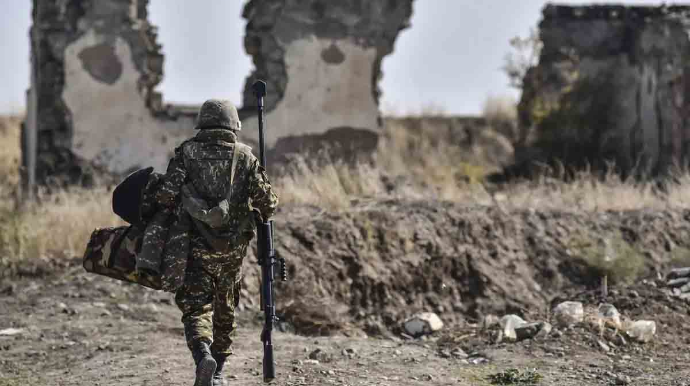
[(450, 57)]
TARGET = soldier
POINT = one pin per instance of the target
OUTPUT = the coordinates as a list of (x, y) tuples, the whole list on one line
[(217, 187)]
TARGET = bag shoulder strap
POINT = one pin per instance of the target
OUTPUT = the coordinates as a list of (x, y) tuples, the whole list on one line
[(238, 148)]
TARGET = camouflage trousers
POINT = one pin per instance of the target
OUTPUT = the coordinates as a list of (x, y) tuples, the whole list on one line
[(209, 295)]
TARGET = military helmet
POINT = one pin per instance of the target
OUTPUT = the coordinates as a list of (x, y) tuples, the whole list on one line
[(218, 113)]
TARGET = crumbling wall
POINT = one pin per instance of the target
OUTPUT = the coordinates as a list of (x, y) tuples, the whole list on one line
[(322, 62), (96, 64), (92, 100), (612, 84)]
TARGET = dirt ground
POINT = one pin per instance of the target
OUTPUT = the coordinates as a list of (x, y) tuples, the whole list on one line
[(77, 329), (355, 277)]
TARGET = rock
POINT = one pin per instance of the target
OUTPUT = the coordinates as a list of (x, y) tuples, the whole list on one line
[(311, 362), (678, 282), (569, 313), (459, 353), (423, 324), (478, 361), (603, 346), (623, 380), (320, 355), (98, 304), (642, 330), (531, 330), (11, 331), (349, 352), (544, 330), (678, 272), (150, 308), (123, 307), (609, 316), (490, 321), (508, 325)]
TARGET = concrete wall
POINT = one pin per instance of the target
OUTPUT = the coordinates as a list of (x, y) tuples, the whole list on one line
[(97, 64), (322, 61), (611, 85)]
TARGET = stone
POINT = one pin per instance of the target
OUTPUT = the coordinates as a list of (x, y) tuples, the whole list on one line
[(623, 380), (459, 353), (508, 325), (641, 330), (489, 321), (680, 282), (531, 330), (423, 324), (678, 273), (11, 331), (123, 307), (320, 356), (609, 316), (349, 352), (569, 313), (603, 346)]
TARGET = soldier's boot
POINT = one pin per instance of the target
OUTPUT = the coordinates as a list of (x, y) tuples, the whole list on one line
[(205, 364), (218, 378)]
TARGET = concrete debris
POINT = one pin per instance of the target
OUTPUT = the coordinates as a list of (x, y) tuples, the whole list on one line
[(569, 313), (642, 330), (424, 323)]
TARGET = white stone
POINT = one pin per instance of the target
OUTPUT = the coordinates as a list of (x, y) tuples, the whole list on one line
[(423, 323), (509, 323), (11, 331), (569, 313), (642, 330)]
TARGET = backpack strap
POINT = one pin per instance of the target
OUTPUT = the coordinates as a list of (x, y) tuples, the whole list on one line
[(239, 147)]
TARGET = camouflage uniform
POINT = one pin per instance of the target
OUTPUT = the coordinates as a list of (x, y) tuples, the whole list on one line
[(220, 187)]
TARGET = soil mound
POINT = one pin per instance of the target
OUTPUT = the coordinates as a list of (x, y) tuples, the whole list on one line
[(368, 269)]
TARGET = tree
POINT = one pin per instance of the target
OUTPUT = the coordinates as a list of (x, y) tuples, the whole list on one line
[(525, 54)]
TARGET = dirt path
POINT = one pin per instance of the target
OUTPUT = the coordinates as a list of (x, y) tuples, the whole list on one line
[(80, 329)]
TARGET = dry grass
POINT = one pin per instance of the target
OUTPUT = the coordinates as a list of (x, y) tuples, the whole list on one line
[(59, 223), (410, 166), (10, 152)]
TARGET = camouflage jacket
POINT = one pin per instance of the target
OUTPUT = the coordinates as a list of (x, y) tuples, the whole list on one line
[(214, 185)]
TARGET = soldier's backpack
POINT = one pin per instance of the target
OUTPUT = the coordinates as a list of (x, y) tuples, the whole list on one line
[(218, 207)]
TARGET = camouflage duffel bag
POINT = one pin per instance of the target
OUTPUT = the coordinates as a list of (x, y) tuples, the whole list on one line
[(112, 252)]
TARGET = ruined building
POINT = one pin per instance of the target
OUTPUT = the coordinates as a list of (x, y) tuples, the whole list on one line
[(96, 64), (612, 85)]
